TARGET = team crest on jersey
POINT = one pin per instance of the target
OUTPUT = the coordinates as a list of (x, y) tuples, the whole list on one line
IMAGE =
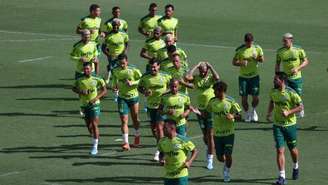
[(94, 83), (177, 146)]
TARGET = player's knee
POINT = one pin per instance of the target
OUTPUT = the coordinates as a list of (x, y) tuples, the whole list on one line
[(220, 158), (280, 151)]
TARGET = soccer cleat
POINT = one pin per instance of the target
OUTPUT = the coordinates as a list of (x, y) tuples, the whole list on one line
[(209, 165), (255, 116), (281, 181), (226, 176), (156, 156), (82, 114), (126, 147), (136, 142), (94, 151), (295, 174), (248, 117)]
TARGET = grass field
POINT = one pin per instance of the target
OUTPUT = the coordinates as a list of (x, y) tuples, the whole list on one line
[(43, 140)]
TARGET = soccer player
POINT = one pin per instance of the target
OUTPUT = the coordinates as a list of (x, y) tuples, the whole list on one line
[(92, 22), (164, 53), (168, 23), (85, 51), (247, 57), (178, 71), (90, 89), (294, 60), (172, 52), (125, 79), (153, 85), (284, 102), (203, 84), (108, 26), (176, 106), (149, 22), (115, 43), (174, 155), (224, 110)]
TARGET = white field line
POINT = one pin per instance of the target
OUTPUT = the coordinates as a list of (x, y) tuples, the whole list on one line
[(48, 183), (133, 40), (38, 40), (34, 59), (9, 173)]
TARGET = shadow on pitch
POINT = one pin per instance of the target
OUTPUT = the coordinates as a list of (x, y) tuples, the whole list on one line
[(101, 135), (14, 114), (46, 86), (211, 178), (116, 179), (50, 99)]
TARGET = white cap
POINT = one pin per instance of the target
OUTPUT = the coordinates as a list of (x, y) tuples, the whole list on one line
[(169, 37), (288, 35), (85, 32), (116, 21)]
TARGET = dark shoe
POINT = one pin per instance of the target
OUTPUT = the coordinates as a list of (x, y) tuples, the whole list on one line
[(295, 174)]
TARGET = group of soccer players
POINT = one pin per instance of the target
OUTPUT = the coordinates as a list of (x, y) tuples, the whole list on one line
[(165, 83)]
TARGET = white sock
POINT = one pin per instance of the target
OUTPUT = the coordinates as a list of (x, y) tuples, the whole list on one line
[(253, 109), (157, 152), (95, 142), (225, 168), (295, 165), (210, 157), (136, 132), (282, 174), (126, 138)]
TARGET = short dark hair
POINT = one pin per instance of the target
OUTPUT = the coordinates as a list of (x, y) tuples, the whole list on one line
[(122, 56), (152, 5), (174, 80), (93, 7), (154, 61), (85, 64), (171, 122), (115, 8), (248, 37), (220, 86), (282, 76), (169, 6), (171, 48)]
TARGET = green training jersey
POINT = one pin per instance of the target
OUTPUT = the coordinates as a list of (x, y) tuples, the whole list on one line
[(158, 84), (162, 54), (178, 74), (107, 27), (80, 49), (116, 43), (152, 46), (92, 24), (249, 54), (204, 90), (167, 63), (177, 102), (168, 25), (175, 152), (219, 110), (149, 23), (91, 85), (284, 100), (119, 80), (290, 58)]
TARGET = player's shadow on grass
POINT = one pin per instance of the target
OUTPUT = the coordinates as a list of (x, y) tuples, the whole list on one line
[(46, 86), (50, 99), (211, 178), (102, 135), (117, 125), (14, 114), (117, 179)]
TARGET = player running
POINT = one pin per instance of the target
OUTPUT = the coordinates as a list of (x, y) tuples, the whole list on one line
[(294, 60), (164, 53), (148, 23), (224, 110), (153, 85), (90, 89), (176, 106), (285, 103), (174, 155), (203, 84), (125, 79), (108, 26), (247, 57), (168, 23), (85, 51)]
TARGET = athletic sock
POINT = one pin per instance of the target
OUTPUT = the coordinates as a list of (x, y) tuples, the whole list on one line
[(210, 157), (136, 132), (95, 143), (295, 165), (126, 138), (282, 174)]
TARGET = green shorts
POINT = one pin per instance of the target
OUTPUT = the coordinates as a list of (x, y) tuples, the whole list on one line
[(182, 130), (285, 134), (176, 181), (297, 85), (125, 104), (224, 145), (91, 111), (154, 115), (205, 123), (80, 75), (249, 86)]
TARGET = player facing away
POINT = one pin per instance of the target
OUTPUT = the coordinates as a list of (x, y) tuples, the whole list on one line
[(293, 60), (224, 111), (85, 51), (169, 23), (203, 84), (176, 106), (125, 80), (153, 85), (92, 22), (285, 103), (90, 89), (174, 150), (247, 57), (148, 23), (108, 25)]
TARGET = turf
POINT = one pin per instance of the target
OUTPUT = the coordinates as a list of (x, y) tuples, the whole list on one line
[(43, 139)]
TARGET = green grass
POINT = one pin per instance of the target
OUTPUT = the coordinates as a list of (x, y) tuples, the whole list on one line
[(43, 139)]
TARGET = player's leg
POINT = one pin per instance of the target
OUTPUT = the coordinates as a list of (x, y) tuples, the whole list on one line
[(255, 91), (291, 137), (228, 148), (124, 111), (280, 153), (210, 147), (244, 97), (94, 121), (134, 107)]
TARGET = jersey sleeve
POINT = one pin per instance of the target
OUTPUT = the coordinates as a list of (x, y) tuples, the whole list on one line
[(189, 146), (302, 54), (237, 55), (136, 76), (187, 102), (296, 99), (235, 108), (74, 54), (125, 26), (209, 106), (101, 83), (259, 51), (278, 58), (126, 38)]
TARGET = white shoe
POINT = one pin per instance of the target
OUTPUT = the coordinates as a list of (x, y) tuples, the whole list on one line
[(248, 117), (301, 114), (255, 116), (156, 156), (209, 165), (94, 151), (226, 176), (82, 114)]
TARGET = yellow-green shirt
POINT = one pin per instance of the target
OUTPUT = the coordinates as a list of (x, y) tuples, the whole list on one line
[(148, 23), (204, 90), (90, 84), (152, 46), (178, 74), (107, 27), (80, 49), (168, 25), (91, 24), (115, 43)]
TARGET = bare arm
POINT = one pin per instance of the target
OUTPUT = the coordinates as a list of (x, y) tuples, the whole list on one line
[(270, 109), (193, 156), (144, 54), (103, 92), (237, 62), (214, 73)]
